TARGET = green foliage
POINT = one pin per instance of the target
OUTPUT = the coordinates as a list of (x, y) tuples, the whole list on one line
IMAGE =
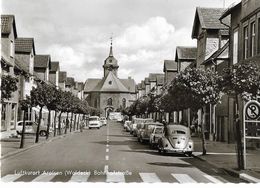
[(194, 88), (242, 79), (8, 86)]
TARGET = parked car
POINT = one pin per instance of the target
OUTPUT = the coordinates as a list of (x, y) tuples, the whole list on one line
[(133, 126), (146, 131), (177, 139), (103, 121), (31, 128), (156, 134), (94, 122), (127, 125)]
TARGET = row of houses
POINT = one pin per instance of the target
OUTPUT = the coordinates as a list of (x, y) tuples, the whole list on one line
[(20, 60), (225, 37)]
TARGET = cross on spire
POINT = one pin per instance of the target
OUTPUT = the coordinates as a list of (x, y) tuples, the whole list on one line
[(111, 46)]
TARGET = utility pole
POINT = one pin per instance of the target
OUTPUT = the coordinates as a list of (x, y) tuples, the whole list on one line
[(224, 3)]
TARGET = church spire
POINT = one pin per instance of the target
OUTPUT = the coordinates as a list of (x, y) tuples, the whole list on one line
[(111, 47)]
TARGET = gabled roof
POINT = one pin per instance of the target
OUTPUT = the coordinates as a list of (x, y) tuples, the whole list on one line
[(170, 65), (146, 81), (185, 53), (208, 18), (7, 22), (42, 61), (153, 76), (62, 76), (111, 84), (129, 84), (24, 45), (70, 81), (231, 9), (139, 86), (55, 66), (160, 80), (80, 86), (90, 84), (217, 55), (142, 84)]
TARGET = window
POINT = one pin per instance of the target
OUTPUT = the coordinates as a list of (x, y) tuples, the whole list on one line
[(252, 42), (235, 47), (109, 102), (245, 42), (124, 103), (12, 49), (110, 82)]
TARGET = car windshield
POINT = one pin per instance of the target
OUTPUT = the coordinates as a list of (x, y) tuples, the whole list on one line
[(93, 119), (158, 131), (178, 132)]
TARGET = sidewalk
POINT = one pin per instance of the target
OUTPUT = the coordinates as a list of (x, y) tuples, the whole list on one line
[(223, 155), (10, 146)]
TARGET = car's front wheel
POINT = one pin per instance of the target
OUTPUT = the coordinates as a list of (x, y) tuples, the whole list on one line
[(189, 154), (43, 133)]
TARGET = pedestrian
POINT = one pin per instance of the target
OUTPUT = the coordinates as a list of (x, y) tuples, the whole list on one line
[(165, 127), (195, 123)]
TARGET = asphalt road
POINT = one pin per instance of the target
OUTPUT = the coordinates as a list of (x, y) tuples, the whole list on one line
[(106, 155)]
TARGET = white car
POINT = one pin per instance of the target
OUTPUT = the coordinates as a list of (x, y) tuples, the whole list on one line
[(94, 122), (103, 121), (31, 127)]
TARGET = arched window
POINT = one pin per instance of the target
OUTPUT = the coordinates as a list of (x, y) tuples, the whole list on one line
[(109, 102), (124, 102)]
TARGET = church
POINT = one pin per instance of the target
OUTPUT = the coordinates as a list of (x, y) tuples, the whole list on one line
[(110, 93)]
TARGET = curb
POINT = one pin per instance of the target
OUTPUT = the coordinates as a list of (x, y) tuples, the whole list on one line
[(33, 146), (243, 176)]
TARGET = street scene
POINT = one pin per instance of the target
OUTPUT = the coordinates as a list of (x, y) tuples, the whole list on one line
[(122, 92)]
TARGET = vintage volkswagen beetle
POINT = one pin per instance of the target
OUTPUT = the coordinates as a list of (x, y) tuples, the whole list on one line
[(176, 139)]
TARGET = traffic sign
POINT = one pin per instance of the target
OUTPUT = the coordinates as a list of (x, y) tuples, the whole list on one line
[(253, 110)]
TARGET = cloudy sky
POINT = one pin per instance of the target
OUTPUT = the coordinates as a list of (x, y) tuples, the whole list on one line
[(77, 32)]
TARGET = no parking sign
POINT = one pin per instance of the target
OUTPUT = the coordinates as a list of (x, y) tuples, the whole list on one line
[(251, 120), (253, 110)]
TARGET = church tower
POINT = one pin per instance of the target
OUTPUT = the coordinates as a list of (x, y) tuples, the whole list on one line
[(110, 63)]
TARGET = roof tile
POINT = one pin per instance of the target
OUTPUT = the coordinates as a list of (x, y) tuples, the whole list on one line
[(24, 45)]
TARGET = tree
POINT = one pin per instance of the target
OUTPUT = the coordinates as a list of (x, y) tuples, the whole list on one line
[(50, 101), (242, 81), (8, 86), (38, 99), (196, 88), (25, 104)]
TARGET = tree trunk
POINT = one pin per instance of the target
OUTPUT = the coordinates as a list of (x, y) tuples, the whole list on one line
[(59, 125), (71, 118), (54, 124), (66, 123), (74, 124), (204, 151), (48, 125), (240, 156), (78, 122), (23, 130), (38, 126)]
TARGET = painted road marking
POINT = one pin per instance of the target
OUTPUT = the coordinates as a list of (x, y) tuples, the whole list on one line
[(11, 177), (149, 177), (183, 178), (106, 169), (115, 177), (249, 178), (43, 178), (212, 179), (107, 150), (107, 157), (107, 145), (79, 177)]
